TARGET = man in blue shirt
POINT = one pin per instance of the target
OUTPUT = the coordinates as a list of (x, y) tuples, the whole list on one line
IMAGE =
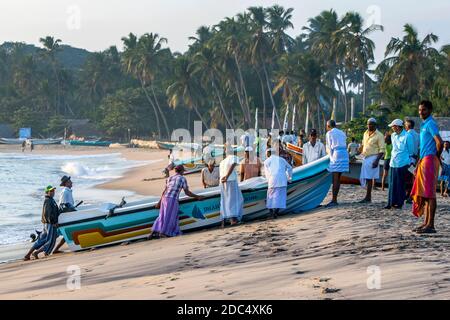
[(424, 188), (402, 157)]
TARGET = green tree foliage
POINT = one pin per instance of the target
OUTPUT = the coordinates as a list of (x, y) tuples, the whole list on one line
[(243, 62)]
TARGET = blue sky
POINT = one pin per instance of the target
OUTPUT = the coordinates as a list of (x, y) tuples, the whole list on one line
[(97, 24)]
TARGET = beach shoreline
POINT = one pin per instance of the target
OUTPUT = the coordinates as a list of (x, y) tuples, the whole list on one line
[(354, 251)]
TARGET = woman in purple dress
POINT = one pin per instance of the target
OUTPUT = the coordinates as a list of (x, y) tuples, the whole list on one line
[(166, 225)]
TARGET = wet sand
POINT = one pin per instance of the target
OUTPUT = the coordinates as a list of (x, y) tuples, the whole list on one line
[(325, 254)]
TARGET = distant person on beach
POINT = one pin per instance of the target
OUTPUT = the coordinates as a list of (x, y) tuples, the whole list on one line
[(409, 127), (287, 138), (445, 173), (424, 188), (171, 164), (373, 149), (294, 138), (301, 138), (66, 203), (167, 223), (31, 146), (314, 149), (47, 239), (24, 145), (231, 199), (278, 171), (353, 148), (250, 166), (387, 158), (210, 175), (402, 158), (247, 140), (339, 158)]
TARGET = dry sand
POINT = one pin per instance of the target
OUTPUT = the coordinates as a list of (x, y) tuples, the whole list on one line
[(324, 254)]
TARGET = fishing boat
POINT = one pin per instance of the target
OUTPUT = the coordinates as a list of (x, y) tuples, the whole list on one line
[(35, 141), (296, 153), (165, 145), (352, 177), (89, 143), (108, 224)]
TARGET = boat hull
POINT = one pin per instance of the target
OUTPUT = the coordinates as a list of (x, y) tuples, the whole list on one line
[(90, 143), (90, 228)]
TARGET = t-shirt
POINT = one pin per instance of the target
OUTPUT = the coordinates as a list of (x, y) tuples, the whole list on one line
[(387, 155), (211, 179), (428, 131), (225, 166), (446, 157)]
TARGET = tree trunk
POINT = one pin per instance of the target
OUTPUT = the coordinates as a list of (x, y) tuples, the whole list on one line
[(221, 104), (160, 110), (154, 109), (345, 96), (270, 93), (364, 92), (241, 78), (200, 116), (261, 82), (242, 104)]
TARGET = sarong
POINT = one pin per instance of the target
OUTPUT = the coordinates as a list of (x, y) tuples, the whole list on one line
[(276, 198), (425, 183), (367, 170), (397, 186), (47, 239), (445, 173), (339, 160), (167, 222), (231, 200)]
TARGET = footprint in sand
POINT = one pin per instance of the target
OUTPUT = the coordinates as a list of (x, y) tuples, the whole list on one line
[(330, 290)]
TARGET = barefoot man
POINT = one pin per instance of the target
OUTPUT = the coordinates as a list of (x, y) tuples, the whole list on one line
[(339, 158), (47, 239), (373, 149), (424, 188)]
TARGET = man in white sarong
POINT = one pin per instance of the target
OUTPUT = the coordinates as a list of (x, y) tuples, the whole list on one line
[(373, 149), (277, 172), (339, 158), (231, 199)]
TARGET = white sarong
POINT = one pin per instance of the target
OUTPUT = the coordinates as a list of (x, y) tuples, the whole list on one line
[(339, 160), (231, 200), (367, 170), (276, 198)]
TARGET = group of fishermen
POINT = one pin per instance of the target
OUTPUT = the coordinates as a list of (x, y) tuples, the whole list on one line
[(402, 151), (406, 150)]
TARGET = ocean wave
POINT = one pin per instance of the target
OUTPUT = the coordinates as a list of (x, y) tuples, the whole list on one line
[(18, 156)]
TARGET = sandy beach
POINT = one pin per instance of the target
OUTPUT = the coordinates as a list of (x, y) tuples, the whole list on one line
[(352, 252)]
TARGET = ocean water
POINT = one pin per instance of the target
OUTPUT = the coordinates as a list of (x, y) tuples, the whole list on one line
[(23, 178)]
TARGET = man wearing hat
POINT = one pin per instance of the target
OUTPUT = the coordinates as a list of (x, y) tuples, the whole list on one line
[(402, 157), (372, 148), (250, 166), (47, 239), (66, 203)]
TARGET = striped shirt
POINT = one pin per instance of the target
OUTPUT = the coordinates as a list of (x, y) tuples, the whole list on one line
[(174, 185)]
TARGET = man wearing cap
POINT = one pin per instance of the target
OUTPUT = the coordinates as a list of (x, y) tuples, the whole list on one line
[(47, 239), (402, 157), (314, 149), (278, 171), (250, 166), (66, 203), (210, 175), (372, 148)]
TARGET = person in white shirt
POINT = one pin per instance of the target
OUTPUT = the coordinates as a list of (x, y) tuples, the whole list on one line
[(247, 140), (287, 138), (339, 158), (210, 175), (445, 172), (314, 149), (231, 199), (277, 172), (66, 204)]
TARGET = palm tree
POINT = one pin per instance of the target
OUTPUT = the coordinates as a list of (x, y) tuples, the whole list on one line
[(185, 88), (260, 49), (51, 47), (354, 38), (279, 20), (407, 60), (204, 65)]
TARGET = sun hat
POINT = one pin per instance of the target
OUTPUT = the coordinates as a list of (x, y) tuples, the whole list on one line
[(64, 180), (396, 122)]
